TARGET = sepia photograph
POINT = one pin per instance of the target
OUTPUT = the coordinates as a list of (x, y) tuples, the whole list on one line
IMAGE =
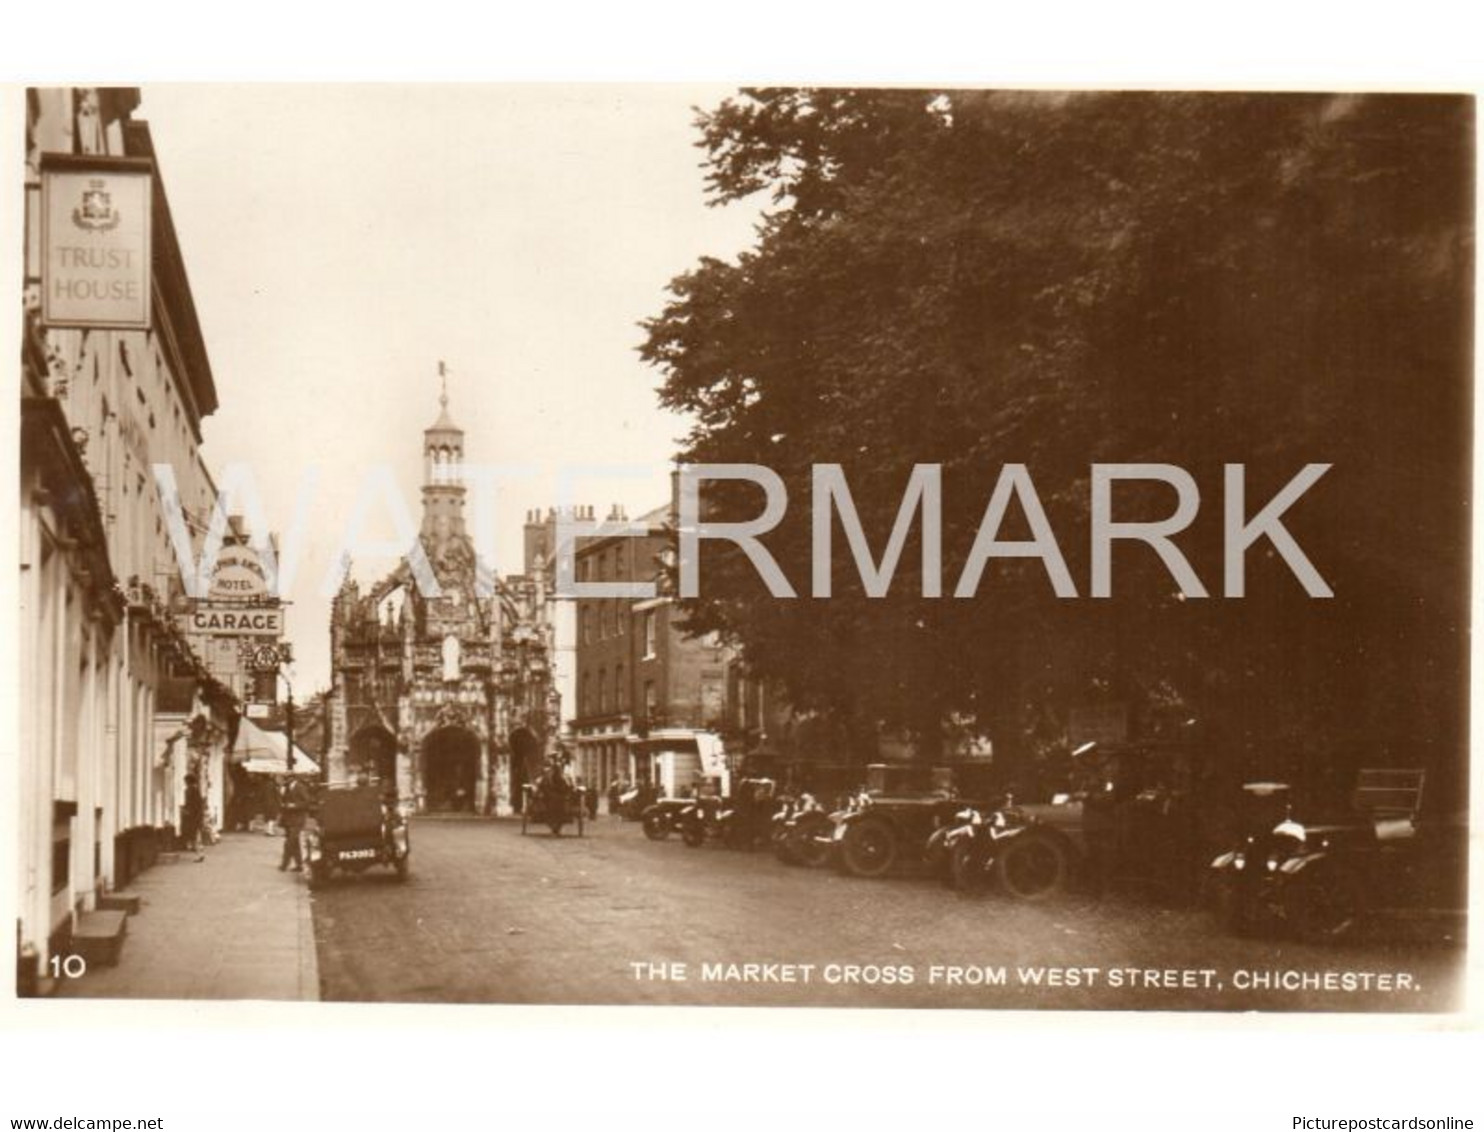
[(656, 545)]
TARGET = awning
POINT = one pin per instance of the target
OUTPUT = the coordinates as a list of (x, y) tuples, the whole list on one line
[(266, 752)]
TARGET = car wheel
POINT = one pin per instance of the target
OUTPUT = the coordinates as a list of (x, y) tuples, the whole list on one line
[(969, 867), (1231, 906), (783, 846), (812, 841), (1323, 908), (868, 849), (656, 826), (1033, 867), (693, 833)]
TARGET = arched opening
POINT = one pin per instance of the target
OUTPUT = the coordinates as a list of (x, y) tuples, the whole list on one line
[(525, 763), (373, 751), (450, 759)]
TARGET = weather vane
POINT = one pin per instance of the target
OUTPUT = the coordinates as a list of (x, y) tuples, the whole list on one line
[(443, 377)]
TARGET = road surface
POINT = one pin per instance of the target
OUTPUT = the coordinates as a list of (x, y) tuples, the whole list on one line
[(491, 916)]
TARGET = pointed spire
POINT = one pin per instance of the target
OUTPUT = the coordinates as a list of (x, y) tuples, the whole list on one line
[(444, 423)]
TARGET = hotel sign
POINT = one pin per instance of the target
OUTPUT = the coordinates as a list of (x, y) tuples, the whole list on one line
[(95, 235), (234, 621), (239, 575)]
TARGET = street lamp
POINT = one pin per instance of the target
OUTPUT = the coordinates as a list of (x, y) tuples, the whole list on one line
[(275, 659), (288, 718)]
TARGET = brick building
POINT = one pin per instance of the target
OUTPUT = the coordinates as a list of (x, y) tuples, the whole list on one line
[(654, 704)]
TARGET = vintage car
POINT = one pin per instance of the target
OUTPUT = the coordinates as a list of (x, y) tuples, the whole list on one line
[(352, 828), (892, 821), (742, 820), (1321, 877), (635, 801), (1133, 822), (662, 816), (553, 801), (964, 850), (803, 832)]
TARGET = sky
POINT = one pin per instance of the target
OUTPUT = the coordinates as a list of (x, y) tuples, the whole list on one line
[(341, 240)]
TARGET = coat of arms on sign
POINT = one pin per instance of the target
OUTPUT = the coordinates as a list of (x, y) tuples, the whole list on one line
[(96, 213)]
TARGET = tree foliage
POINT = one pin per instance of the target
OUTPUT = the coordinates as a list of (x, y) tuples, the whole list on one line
[(980, 278)]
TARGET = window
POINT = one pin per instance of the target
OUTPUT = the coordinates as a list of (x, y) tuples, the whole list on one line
[(651, 700), (585, 692), (587, 624), (651, 633), (620, 693), (602, 690)]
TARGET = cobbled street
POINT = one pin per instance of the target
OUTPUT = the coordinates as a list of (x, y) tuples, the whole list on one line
[(491, 916)]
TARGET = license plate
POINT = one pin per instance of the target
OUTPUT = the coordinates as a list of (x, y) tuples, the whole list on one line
[(357, 854)]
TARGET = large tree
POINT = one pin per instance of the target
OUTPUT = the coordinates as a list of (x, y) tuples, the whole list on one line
[(980, 278)]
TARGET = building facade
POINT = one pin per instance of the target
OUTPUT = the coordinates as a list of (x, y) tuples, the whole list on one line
[(655, 705), (446, 693), (116, 707)]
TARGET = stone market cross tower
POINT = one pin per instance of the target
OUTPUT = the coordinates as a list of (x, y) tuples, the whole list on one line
[(451, 695)]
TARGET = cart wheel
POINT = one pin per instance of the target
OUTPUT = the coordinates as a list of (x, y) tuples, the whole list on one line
[(1033, 867)]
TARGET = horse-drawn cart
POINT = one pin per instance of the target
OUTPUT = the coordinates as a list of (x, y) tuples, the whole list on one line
[(553, 801)]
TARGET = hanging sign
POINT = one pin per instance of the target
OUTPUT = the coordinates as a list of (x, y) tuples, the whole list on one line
[(95, 234), (234, 621)]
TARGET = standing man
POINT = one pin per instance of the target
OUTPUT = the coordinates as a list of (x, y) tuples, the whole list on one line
[(293, 808), (193, 815)]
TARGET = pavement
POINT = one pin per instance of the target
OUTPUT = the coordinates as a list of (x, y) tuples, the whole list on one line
[(490, 916), (228, 927)]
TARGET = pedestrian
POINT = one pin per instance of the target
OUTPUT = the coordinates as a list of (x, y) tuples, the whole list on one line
[(293, 808), (270, 793), (192, 815)]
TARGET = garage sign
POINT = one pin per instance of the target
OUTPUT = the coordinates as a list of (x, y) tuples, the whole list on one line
[(234, 621)]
